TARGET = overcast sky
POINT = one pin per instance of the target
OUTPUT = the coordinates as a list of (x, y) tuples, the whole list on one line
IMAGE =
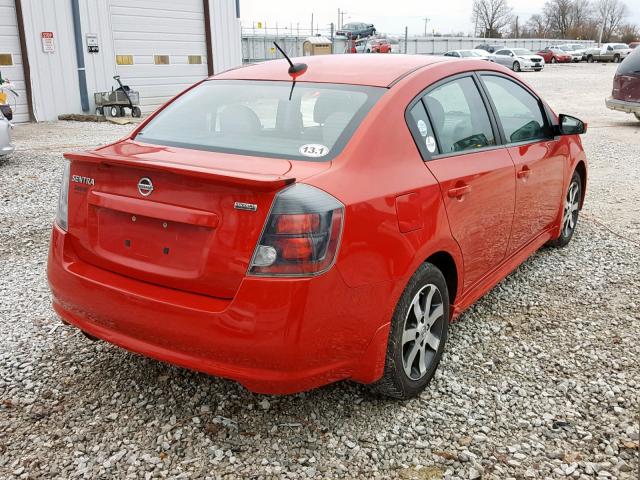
[(389, 16)]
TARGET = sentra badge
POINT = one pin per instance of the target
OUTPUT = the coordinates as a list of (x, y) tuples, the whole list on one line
[(83, 180)]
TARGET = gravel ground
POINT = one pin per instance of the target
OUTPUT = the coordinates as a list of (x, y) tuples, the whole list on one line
[(540, 379)]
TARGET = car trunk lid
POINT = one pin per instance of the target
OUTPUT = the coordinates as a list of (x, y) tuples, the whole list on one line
[(175, 217)]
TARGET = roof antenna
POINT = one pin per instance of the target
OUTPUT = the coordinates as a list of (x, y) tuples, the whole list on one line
[(295, 69)]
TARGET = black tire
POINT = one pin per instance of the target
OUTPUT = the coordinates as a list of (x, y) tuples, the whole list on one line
[(553, 60), (136, 112), (99, 111), (114, 111), (637, 115), (616, 59), (395, 382), (590, 59), (516, 66), (123, 112), (567, 230)]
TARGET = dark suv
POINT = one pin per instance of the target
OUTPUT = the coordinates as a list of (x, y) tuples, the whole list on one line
[(489, 48), (625, 95), (357, 30)]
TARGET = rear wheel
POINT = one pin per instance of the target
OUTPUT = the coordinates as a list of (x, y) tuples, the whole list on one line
[(553, 60), (114, 111), (418, 334), (590, 59), (637, 115), (616, 58), (99, 111), (136, 112), (570, 212), (516, 66)]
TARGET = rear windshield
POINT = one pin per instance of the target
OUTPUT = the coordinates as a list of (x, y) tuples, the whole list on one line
[(631, 64), (522, 51), (258, 118)]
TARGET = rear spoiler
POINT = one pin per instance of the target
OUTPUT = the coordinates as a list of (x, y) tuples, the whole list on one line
[(229, 177)]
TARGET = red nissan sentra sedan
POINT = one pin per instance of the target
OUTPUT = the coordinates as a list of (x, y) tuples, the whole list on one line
[(291, 235)]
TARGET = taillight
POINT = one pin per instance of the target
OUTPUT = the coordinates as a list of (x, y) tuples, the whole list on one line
[(302, 234), (63, 198)]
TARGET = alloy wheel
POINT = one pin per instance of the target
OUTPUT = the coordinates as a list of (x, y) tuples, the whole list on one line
[(571, 207), (422, 332)]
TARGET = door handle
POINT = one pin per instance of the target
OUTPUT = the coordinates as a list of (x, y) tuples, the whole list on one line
[(525, 172), (459, 192)]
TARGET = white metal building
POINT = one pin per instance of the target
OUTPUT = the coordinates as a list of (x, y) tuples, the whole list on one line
[(158, 47)]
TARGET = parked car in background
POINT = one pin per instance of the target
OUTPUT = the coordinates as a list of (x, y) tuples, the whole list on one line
[(489, 48), (482, 53), (356, 30), (470, 54), (519, 59), (362, 45), (380, 45), (554, 55), (576, 51), (573, 49), (625, 95), (5, 135), (232, 232), (633, 45), (608, 52)]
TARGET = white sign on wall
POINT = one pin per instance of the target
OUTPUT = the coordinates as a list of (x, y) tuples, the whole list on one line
[(48, 46)]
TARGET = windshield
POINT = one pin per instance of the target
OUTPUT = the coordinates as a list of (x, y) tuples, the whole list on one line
[(468, 53), (522, 51), (257, 118), (619, 46)]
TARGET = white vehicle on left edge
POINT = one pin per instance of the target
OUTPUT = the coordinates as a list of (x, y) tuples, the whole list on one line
[(519, 59), (5, 136)]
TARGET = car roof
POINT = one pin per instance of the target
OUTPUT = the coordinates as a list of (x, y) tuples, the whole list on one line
[(372, 70)]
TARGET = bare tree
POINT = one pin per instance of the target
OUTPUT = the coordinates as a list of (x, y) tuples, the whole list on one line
[(491, 16), (611, 13), (559, 16), (582, 14), (629, 33), (537, 26)]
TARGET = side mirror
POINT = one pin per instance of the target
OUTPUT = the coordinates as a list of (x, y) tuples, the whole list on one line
[(571, 125)]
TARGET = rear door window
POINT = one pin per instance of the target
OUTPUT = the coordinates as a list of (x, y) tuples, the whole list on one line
[(258, 118), (459, 116), (519, 112)]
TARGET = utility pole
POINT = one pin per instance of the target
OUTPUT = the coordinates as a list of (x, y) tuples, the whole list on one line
[(517, 31), (338, 24), (406, 38), (426, 20)]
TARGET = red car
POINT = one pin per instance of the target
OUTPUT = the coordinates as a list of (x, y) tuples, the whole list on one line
[(552, 55), (289, 235), (380, 46), (625, 96)]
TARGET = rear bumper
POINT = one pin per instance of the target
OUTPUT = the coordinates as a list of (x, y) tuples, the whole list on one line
[(622, 106), (275, 336)]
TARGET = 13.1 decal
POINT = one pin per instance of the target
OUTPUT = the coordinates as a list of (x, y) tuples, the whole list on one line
[(313, 150)]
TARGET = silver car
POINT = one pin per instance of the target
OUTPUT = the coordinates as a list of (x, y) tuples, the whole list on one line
[(5, 136), (519, 59)]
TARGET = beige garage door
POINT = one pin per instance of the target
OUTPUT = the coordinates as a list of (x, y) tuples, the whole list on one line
[(159, 45)]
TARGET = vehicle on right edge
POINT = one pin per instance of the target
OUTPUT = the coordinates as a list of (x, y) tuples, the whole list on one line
[(625, 96), (608, 52)]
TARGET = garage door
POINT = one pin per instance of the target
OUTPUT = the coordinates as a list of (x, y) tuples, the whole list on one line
[(11, 59), (160, 46)]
